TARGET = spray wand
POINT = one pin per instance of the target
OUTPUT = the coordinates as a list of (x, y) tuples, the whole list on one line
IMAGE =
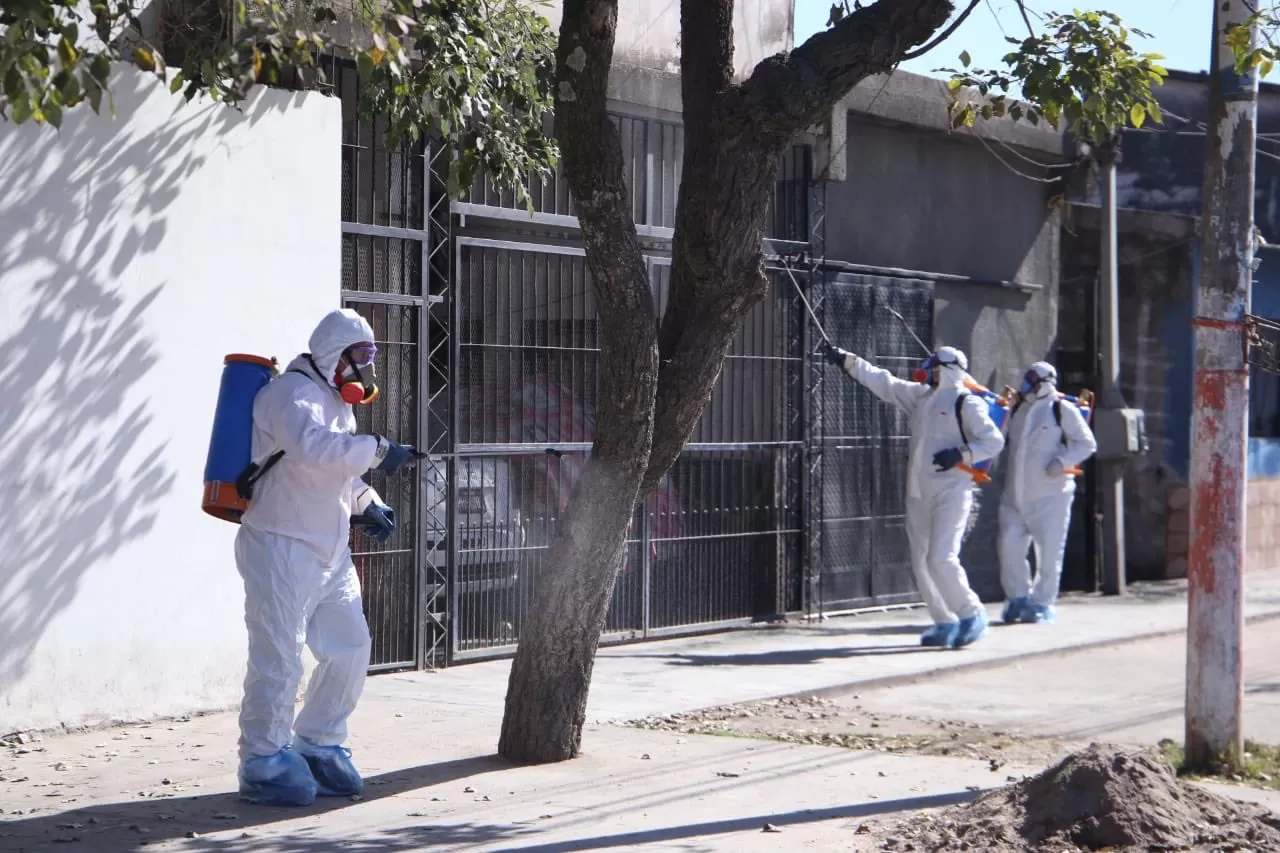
[(910, 331), (798, 257)]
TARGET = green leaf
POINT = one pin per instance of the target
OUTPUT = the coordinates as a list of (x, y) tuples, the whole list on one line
[(176, 83), (14, 86), (100, 68), (70, 91), (94, 93), (1137, 114), (21, 109), (964, 58), (66, 52), (53, 114)]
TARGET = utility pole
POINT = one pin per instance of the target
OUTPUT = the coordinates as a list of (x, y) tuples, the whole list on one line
[(1220, 419), (1111, 471)]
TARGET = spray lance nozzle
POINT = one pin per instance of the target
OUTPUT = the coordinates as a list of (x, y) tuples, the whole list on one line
[(795, 259)]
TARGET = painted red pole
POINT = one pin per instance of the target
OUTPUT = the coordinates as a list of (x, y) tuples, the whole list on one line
[(1220, 418)]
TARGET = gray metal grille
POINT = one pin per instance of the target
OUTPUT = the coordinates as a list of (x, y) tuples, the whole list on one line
[(490, 348), (712, 543), (863, 546), (395, 273), (388, 571)]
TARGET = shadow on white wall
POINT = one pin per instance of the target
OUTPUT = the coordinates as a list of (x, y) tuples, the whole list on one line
[(82, 463)]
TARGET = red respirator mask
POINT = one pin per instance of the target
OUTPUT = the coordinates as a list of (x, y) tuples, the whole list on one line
[(356, 384), (924, 373)]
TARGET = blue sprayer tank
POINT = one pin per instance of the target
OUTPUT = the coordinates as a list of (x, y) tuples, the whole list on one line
[(998, 409), (1084, 403), (230, 445)]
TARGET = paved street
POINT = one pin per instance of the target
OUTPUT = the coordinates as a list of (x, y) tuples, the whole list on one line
[(426, 740)]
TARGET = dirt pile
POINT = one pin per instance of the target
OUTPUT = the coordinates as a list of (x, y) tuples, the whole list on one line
[(1100, 798)]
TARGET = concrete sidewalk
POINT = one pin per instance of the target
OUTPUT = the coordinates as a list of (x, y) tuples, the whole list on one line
[(425, 742), (872, 649)]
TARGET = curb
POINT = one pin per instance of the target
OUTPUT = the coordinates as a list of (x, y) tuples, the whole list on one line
[(979, 665)]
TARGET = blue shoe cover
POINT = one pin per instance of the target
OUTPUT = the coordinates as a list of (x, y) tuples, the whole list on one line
[(331, 766), (277, 780), (971, 630), (1015, 609), (942, 635), (1041, 614)]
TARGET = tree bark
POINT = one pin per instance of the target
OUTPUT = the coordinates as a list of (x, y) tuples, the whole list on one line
[(547, 691), (734, 135)]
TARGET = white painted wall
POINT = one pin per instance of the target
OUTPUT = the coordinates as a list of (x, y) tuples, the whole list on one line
[(134, 253), (649, 32)]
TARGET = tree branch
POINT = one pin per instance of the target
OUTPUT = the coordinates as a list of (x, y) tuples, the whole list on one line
[(788, 92), (707, 70), (1026, 19), (944, 35), (733, 138), (593, 161)]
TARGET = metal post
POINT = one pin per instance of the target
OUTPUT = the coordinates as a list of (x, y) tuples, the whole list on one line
[(1220, 419), (1111, 471)]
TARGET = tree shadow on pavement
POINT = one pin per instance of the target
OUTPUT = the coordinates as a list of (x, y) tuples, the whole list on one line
[(754, 823), (781, 657), (523, 836), (903, 628), (139, 824)]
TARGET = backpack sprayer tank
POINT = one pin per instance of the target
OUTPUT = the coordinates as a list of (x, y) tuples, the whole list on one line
[(230, 445)]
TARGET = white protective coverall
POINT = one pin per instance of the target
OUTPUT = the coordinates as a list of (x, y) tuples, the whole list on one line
[(938, 502), (1036, 506), (292, 551)]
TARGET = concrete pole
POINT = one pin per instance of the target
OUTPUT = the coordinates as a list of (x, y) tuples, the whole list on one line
[(1220, 419), (1111, 471)]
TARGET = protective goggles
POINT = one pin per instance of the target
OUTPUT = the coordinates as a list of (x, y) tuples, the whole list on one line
[(362, 355), (1031, 379), (923, 373)]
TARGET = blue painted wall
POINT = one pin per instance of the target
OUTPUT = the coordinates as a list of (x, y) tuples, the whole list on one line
[(1177, 339), (1264, 396), (1264, 453)]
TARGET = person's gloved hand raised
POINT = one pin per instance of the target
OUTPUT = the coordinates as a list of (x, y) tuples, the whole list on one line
[(833, 354), (384, 521), (947, 459), (393, 456)]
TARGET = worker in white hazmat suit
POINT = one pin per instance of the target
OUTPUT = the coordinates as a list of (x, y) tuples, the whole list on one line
[(1048, 437), (949, 427), (300, 583)]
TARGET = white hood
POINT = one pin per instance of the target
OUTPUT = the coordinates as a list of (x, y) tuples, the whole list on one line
[(338, 330)]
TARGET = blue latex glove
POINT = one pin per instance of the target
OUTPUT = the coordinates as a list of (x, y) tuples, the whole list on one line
[(397, 456), (833, 354), (384, 521), (947, 459)]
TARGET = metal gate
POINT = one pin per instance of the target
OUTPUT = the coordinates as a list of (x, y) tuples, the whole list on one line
[(486, 324), (859, 444), (395, 272), (712, 544)]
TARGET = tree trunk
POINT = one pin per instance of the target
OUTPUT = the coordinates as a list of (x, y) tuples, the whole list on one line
[(734, 135), (547, 691)]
